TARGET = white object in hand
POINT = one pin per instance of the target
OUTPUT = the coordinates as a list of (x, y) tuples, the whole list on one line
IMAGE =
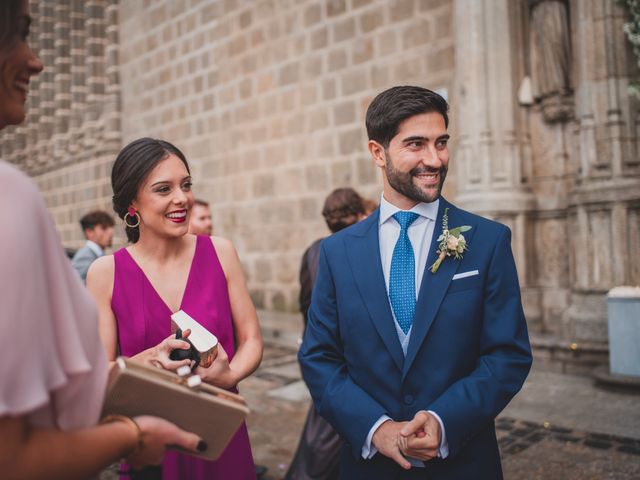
[(205, 342)]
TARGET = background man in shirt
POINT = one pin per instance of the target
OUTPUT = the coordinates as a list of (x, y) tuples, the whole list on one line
[(98, 230), (411, 366), (200, 222)]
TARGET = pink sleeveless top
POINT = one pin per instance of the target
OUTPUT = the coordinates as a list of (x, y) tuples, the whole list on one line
[(144, 320)]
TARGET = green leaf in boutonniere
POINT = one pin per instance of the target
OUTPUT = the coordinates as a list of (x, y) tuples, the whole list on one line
[(451, 243)]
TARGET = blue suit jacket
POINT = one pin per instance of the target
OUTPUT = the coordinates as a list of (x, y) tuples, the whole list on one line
[(468, 355)]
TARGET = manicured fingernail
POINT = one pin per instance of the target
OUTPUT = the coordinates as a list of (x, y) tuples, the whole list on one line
[(202, 446)]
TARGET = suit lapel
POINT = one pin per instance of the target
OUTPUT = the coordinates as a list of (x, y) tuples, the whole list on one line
[(363, 251), (434, 285)]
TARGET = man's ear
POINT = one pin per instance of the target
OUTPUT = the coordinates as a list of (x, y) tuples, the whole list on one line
[(377, 153)]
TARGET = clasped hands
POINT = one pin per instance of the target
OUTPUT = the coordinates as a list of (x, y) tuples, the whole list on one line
[(418, 438)]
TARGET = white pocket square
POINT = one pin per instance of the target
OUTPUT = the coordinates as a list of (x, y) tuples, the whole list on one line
[(470, 273)]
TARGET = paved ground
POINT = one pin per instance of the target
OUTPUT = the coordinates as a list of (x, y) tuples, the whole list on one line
[(559, 427)]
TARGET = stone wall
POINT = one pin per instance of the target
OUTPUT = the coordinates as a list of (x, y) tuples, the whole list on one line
[(549, 146), (604, 201), (72, 132), (267, 100)]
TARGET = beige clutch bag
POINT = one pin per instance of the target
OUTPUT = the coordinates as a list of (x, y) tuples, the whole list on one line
[(210, 412)]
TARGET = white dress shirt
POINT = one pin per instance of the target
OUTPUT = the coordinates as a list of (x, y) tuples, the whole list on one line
[(420, 234)]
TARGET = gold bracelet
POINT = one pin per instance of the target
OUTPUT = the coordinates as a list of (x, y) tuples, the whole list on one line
[(129, 421)]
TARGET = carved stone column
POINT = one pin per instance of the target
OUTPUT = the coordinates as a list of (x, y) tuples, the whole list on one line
[(493, 150), (96, 78), (78, 75), (550, 58), (46, 86), (33, 104), (605, 203), (112, 71), (62, 79), (550, 111)]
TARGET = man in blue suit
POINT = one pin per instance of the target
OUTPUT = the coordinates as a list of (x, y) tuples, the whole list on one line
[(416, 337)]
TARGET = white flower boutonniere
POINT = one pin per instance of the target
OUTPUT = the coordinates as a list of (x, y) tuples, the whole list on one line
[(451, 243)]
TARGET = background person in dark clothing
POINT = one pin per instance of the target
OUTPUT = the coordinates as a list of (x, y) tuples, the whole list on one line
[(318, 454)]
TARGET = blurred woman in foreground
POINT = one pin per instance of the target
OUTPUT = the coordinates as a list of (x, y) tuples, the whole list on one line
[(52, 367)]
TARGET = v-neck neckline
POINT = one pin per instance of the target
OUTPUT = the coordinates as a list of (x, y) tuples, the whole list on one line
[(153, 288)]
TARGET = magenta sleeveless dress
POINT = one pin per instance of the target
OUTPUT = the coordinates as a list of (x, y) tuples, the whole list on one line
[(144, 320)]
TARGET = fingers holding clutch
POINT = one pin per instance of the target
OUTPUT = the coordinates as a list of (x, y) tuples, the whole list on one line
[(158, 434)]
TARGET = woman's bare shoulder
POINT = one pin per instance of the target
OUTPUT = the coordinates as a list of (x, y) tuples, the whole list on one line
[(222, 244), (101, 272), (103, 264)]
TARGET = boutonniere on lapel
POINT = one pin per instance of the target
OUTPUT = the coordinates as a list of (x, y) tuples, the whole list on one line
[(451, 243)]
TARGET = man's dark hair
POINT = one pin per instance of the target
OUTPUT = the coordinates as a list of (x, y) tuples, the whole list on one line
[(96, 217), (9, 22), (342, 208), (130, 170), (200, 202), (391, 107)]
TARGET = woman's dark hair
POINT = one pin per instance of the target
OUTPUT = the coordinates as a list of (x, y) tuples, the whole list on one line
[(130, 170), (391, 107), (9, 22), (342, 208)]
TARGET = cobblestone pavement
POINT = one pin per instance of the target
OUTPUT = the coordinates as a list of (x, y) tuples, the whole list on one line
[(558, 427), (531, 449)]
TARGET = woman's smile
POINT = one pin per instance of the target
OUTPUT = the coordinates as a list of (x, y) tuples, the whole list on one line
[(177, 216)]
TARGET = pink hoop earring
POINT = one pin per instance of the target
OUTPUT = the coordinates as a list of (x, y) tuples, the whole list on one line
[(131, 213)]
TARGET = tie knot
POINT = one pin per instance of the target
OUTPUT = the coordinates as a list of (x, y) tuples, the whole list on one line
[(405, 219)]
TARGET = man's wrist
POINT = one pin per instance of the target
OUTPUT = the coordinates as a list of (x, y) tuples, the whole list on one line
[(377, 433), (443, 449), (369, 449)]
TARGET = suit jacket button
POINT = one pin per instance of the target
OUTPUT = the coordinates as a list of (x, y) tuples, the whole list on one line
[(408, 399)]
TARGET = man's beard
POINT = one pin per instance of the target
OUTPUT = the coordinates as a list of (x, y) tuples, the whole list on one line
[(402, 182)]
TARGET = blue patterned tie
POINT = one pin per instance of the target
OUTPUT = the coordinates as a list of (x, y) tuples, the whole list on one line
[(402, 279)]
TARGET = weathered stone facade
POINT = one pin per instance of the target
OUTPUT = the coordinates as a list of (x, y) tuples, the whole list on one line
[(562, 168), (73, 130), (267, 99)]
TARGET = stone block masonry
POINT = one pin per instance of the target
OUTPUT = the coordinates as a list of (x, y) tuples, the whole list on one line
[(267, 99), (72, 133)]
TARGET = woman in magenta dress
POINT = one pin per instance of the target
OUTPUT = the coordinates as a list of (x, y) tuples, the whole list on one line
[(164, 270)]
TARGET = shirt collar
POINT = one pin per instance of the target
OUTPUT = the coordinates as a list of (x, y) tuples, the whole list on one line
[(428, 210), (95, 248)]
